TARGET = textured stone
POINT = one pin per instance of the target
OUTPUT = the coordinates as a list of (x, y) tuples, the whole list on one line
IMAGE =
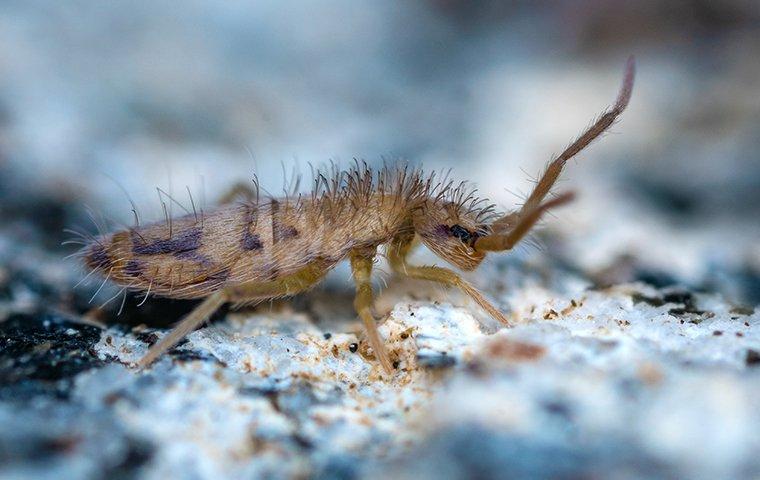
[(624, 382)]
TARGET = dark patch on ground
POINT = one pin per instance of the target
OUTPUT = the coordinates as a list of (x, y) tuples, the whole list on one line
[(655, 278), (476, 452), (740, 283), (149, 338), (435, 361), (183, 355), (625, 269), (134, 456), (752, 358), (641, 298), (682, 297), (340, 466), (749, 281), (39, 354)]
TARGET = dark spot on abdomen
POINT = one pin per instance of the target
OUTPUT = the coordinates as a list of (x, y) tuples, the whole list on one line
[(183, 242), (280, 231), (133, 268), (285, 232), (442, 230), (97, 257), (193, 256), (251, 241)]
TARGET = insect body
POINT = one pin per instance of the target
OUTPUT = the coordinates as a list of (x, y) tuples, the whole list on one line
[(268, 248)]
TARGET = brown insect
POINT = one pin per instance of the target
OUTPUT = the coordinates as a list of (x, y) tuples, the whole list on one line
[(264, 248)]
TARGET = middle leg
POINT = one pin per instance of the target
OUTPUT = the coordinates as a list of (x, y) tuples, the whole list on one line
[(361, 266)]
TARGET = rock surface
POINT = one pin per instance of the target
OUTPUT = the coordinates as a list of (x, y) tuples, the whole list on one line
[(624, 382)]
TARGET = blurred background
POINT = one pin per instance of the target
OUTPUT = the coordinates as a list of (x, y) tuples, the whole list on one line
[(202, 94)]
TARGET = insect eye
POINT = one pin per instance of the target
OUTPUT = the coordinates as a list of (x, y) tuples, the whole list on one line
[(461, 233)]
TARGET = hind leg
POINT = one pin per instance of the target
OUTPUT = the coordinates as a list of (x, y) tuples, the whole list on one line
[(193, 320), (239, 294), (361, 266)]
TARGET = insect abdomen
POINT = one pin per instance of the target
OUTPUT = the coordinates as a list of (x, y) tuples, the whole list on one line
[(192, 256)]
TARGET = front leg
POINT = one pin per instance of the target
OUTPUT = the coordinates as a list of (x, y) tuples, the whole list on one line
[(361, 266), (397, 253)]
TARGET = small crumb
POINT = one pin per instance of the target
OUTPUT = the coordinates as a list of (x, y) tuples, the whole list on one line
[(717, 333), (353, 347), (551, 315), (739, 334), (327, 336)]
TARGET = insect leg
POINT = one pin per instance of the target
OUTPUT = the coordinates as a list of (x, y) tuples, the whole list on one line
[(397, 259), (361, 266), (192, 321)]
